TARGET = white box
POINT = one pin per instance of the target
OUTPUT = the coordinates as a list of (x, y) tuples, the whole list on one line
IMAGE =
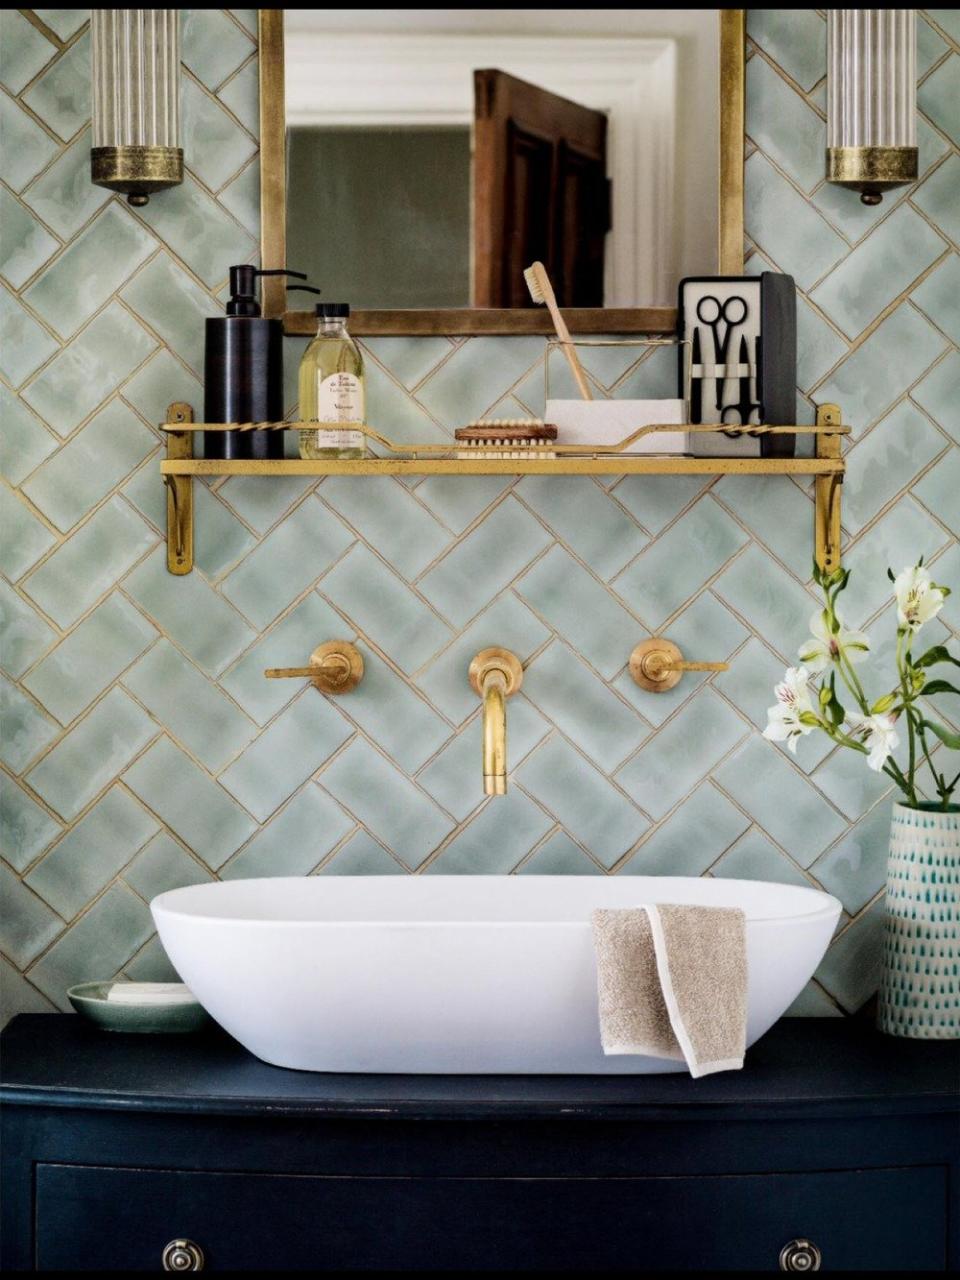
[(592, 422)]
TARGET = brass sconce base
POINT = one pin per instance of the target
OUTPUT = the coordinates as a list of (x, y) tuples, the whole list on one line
[(872, 170), (138, 171), (657, 665), (335, 667)]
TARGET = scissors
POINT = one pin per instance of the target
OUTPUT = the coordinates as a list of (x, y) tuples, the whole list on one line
[(743, 406), (712, 312)]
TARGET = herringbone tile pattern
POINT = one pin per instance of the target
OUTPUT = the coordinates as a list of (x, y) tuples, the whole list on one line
[(142, 747)]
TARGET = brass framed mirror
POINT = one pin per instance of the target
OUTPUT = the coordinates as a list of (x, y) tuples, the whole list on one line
[(628, 315)]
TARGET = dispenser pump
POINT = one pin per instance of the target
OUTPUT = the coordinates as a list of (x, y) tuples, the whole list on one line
[(243, 287)]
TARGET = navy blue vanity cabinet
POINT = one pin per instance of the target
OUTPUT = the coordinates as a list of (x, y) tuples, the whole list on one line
[(835, 1147)]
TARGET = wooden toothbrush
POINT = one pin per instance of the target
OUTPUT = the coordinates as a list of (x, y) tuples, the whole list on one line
[(541, 291)]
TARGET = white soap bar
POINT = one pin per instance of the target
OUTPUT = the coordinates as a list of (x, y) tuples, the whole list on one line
[(587, 422), (150, 993)]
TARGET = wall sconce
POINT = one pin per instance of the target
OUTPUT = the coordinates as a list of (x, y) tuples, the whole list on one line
[(871, 99), (136, 101)]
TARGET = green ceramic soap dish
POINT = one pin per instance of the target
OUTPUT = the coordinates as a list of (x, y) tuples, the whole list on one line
[(90, 1000)]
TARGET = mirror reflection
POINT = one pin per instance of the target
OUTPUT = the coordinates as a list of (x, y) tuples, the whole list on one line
[(433, 154)]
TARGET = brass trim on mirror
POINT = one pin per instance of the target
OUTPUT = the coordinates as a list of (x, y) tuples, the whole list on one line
[(462, 321)]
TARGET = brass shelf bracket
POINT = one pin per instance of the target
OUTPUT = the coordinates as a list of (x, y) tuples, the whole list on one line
[(827, 489), (179, 491)]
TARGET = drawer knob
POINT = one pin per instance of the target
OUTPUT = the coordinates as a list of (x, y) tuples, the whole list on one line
[(800, 1255), (182, 1255)]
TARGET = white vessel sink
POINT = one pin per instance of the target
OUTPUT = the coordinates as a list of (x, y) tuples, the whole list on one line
[(451, 973)]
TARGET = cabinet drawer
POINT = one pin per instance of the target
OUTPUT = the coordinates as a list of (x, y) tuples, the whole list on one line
[(94, 1218)]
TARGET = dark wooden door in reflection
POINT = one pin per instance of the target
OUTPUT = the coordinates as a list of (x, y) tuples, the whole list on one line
[(540, 191)]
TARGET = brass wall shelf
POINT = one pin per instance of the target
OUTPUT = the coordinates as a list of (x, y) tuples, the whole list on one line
[(180, 467)]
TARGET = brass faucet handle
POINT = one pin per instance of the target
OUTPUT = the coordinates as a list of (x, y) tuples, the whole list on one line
[(657, 665), (335, 667)]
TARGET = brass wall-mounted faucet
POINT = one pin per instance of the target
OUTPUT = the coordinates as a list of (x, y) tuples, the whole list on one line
[(657, 665), (495, 674), (335, 667)]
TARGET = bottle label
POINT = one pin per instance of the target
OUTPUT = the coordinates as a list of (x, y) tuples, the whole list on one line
[(340, 399)]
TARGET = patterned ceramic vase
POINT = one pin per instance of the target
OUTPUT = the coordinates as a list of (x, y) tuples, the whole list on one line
[(920, 982)]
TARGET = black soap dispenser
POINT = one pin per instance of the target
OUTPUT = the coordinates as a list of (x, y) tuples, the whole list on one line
[(243, 370)]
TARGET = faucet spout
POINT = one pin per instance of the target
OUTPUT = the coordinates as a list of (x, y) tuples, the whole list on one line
[(495, 674)]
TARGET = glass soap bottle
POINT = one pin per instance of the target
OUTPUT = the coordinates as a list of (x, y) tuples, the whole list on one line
[(332, 392)]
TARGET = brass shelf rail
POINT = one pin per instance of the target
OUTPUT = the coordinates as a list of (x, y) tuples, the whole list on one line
[(180, 467)]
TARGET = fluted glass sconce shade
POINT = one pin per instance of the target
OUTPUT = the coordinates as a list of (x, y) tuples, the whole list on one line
[(871, 99), (136, 101)]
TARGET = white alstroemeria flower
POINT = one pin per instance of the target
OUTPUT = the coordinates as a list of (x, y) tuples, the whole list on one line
[(785, 720), (823, 647), (878, 734), (918, 597)]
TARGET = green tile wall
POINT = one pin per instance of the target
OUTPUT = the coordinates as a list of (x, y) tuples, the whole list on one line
[(142, 748)]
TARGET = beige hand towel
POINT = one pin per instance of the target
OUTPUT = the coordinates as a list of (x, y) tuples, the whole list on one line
[(672, 983)]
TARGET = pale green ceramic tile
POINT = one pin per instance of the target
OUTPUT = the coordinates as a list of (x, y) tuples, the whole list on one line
[(883, 367), (18, 996), (28, 924), (213, 45), (813, 1002), (784, 804), (26, 147), (89, 368), (216, 241), (175, 307), (476, 376), (25, 538), (24, 51), (63, 22), (687, 748), (796, 39), (262, 505), (386, 802), (87, 565), (900, 538), (939, 97), (878, 467), (387, 517), (288, 644), (937, 296), (90, 657), (930, 46), (151, 964), (23, 633), (197, 714), (215, 144), (850, 971), (286, 562), (507, 623), (24, 344), (159, 384), (559, 856), (199, 811), (480, 566), (242, 197), (787, 228), (24, 441), (382, 606), (937, 394), (948, 20), (502, 833), (97, 947), (459, 500), (91, 854), (61, 97), (161, 865), (855, 868), (878, 270), (242, 95), (593, 526), (286, 754), (389, 710), (568, 786), (90, 465), (939, 489), (850, 783), (90, 269), (776, 606), (691, 839), (26, 730), (389, 405), (361, 856), (295, 841), (454, 778), (92, 754), (191, 613), (777, 511), (409, 359), (26, 245), (782, 124), (25, 827), (656, 500), (679, 562), (583, 707), (581, 610), (754, 858)]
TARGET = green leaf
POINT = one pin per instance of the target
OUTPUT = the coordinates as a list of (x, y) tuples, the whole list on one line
[(939, 686), (946, 737), (937, 653)]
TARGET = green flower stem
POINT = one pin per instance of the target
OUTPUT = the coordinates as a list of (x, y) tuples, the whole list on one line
[(907, 696)]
